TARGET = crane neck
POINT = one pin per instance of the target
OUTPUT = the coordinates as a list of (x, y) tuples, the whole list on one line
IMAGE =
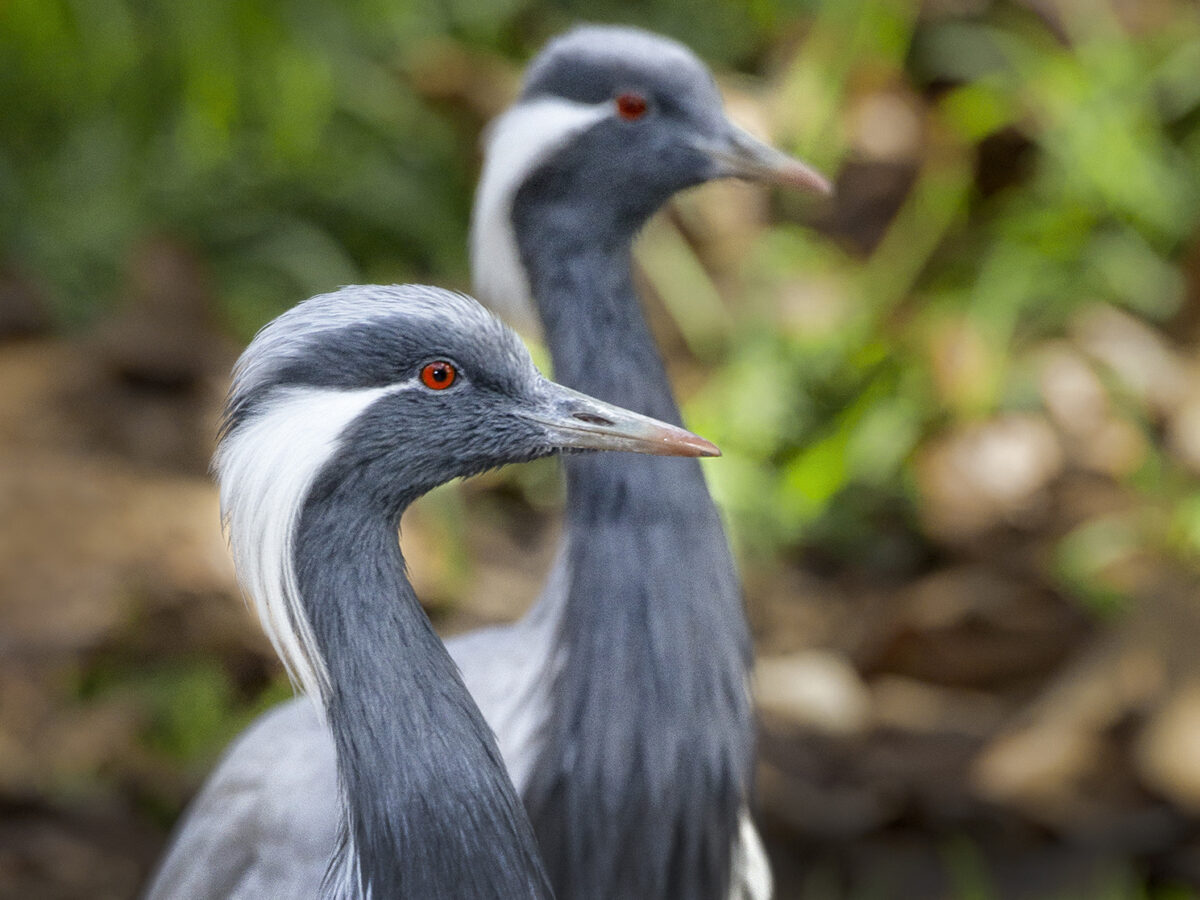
[(596, 332), (428, 808), (650, 606)]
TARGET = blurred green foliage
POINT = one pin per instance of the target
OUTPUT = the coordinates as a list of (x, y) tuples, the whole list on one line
[(1098, 127), (299, 145), (285, 137), (277, 136), (190, 707)]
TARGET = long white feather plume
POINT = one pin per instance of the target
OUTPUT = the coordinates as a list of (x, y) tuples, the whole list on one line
[(266, 467)]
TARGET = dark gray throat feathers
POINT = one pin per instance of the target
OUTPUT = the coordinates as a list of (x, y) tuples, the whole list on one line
[(428, 807), (649, 746)]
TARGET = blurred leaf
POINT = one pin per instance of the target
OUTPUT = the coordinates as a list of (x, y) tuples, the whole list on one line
[(686, 289), (1085, 557)]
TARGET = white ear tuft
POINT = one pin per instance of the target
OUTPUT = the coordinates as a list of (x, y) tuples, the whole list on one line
[(518, 142)]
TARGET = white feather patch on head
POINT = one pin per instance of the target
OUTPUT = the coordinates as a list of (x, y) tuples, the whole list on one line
[(266, 467), (518, 142)]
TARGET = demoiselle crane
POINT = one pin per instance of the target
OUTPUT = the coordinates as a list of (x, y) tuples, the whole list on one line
[(620, 700), (342, 412), (636, 770)]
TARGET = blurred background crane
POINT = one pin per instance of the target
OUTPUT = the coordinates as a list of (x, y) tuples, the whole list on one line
[(969, 519)]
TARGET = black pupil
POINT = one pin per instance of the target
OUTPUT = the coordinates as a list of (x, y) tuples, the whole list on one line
[(440, 373)]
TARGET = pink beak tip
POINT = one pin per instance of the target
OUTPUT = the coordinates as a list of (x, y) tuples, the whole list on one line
[(807, 179)]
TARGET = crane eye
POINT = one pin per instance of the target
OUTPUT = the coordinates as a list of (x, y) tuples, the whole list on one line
[(631, 106), (437, 376)]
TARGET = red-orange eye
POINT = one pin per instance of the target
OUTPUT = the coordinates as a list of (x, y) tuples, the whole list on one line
[(437, 376), (631, 106)]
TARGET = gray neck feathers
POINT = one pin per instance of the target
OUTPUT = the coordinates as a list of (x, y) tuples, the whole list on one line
[(428, 809), (648, 751)]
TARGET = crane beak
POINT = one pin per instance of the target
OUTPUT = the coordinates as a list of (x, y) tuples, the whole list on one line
[(575, 421), (740, 154)]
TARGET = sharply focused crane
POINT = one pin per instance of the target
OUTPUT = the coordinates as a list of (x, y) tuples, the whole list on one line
[(342, 412)]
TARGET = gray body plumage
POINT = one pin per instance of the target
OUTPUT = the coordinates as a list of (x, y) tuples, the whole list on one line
[(620, 701), (266, 822)]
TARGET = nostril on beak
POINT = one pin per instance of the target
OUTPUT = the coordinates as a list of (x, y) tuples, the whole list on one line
[(592, 419)]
